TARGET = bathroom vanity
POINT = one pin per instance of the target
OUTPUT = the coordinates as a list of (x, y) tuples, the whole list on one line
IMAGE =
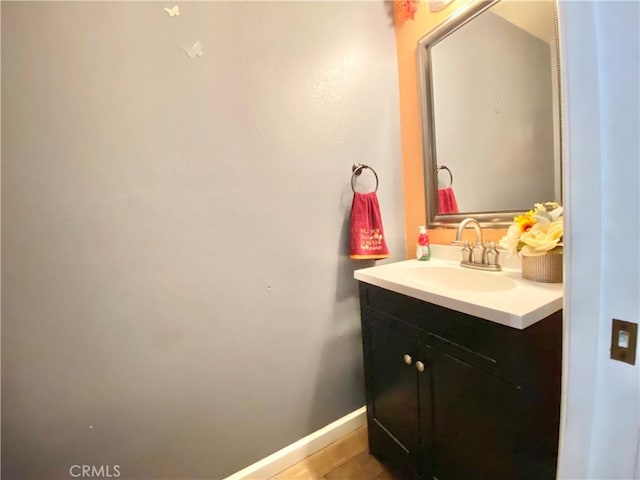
[(462, 371)]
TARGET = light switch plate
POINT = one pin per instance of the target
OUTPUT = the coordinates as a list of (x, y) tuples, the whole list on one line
[(624, 332)]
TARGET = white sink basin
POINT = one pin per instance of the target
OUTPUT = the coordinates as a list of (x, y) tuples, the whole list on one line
[(501, 297), (461, 279)]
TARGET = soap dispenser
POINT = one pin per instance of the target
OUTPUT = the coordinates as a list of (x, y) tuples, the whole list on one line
[(423, 249)]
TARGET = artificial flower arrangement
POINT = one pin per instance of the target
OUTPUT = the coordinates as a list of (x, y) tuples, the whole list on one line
[(537, 232)]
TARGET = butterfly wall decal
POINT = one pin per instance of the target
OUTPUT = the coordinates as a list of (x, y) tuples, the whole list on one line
[(195, 51), (173, 12)]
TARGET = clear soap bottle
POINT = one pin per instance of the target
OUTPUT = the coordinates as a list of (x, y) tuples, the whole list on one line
[(423, 249)]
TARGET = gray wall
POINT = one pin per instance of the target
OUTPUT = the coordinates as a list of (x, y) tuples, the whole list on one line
[(494, 115), (177, 297)]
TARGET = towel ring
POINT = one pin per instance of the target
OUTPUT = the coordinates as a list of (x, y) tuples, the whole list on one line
[(444, 167), (357, 169)]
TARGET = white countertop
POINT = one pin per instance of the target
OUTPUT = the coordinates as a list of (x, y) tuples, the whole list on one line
[(501, 297)]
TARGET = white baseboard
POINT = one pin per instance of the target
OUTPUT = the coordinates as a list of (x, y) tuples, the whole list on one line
[(297, 451)]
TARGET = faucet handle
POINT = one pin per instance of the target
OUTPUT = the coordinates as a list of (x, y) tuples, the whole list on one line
[(466, 252), (492, 254)]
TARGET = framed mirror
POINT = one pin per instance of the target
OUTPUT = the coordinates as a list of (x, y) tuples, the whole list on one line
[(490, 94)]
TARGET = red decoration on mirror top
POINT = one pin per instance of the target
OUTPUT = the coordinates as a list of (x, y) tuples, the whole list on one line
[(407, 8)]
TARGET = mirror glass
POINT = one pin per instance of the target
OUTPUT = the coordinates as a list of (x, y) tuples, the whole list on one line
[(489, 80)]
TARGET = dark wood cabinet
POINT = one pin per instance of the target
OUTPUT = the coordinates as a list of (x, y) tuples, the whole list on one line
[(395, 389), (451, 396), (475, 432)]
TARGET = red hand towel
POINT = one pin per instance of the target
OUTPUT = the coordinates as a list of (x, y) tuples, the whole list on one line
[(367, 235), (447, 202)]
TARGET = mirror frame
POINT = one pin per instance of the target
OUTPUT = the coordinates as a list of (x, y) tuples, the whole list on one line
[(500, 219)]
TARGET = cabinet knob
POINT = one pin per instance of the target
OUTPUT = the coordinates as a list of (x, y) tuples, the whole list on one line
[(420, 366), (407, 359)]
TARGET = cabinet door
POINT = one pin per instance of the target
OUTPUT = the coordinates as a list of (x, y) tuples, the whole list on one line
[(475, 423), (392, 391)]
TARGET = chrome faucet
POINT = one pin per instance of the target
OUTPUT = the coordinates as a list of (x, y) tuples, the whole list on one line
[(478, 256), (476, 227)]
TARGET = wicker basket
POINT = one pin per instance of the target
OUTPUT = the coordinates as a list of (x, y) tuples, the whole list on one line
[(546, 268)]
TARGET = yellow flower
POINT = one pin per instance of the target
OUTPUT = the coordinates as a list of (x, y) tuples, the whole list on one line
[(526, 221)]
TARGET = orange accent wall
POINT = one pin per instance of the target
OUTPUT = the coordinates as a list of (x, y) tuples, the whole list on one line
[(408, 32)]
